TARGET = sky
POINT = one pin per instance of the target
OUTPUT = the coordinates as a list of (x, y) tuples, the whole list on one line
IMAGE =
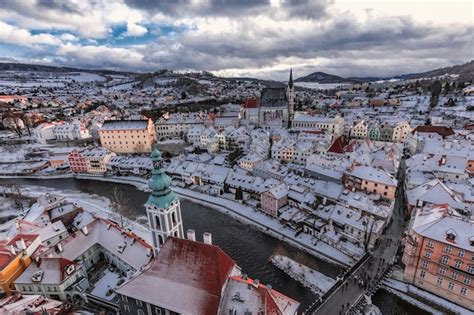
[(255, 38)]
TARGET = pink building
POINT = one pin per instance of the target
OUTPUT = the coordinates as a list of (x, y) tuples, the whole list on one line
[(274, 199), (77, 162), (439, 254)]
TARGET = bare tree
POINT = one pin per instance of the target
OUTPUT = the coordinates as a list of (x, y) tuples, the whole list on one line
[(121, 207)]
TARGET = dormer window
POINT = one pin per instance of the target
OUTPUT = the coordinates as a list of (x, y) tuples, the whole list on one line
[(471, 241), (450, 235)]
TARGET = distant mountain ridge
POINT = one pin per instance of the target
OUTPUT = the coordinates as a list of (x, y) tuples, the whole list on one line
[(465, 71), (8, 66)]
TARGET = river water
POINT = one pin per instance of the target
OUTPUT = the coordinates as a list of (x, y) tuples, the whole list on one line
[(249, 247)]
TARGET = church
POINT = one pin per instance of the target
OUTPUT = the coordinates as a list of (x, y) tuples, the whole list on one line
[(277, 105)]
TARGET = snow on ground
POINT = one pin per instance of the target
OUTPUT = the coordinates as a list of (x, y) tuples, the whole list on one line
[(405, 288), (84, 77), (108, 281), (413, 301), (320, 86), (312, 279)]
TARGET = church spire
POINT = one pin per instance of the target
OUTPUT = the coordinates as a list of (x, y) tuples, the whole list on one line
[(159, 183), (290, 82), (162, 207)]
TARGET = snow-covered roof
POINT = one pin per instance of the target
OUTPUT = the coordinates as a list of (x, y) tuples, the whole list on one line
[(193, 271), (126, 246), (124, 125), (435, 222), (373, 174), (47, 270), (247, 295)]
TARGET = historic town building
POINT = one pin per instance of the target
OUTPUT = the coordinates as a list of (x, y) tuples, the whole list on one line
[(127, 136)]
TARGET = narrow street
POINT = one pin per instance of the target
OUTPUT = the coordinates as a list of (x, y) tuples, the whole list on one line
[(349, 290)]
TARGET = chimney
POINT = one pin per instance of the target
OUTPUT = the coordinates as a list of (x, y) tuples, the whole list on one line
[(85, 230), (207, 238), (21, 244), (60, 247), (191, 235)]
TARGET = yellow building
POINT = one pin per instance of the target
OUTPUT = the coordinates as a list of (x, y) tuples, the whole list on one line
[(15, 258), (127, 136), (96, 159)]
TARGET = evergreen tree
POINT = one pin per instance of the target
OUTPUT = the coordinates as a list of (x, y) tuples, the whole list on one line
[(435, 91)]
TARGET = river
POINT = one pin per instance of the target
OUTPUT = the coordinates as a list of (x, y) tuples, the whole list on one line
[(249, 247)]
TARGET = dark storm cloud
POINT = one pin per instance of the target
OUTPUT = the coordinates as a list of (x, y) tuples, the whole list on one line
[(209, 8), (58, 5), (306, 8)]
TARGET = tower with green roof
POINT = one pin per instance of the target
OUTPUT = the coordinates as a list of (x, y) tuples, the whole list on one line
[(163, 207)]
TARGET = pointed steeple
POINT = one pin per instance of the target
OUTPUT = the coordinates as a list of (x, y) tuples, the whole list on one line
[(162, 196), (290, 82)]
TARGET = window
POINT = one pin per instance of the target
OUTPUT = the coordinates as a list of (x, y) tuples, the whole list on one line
[(124, 298), (463, 291), (158, 310), (451, 286), (445, 260), (448, 249), (439, 281), (470, 269), (454, 275), (467, 280), (442, 271), (424, 264), (430, 243), (457, 264), (139, 302), (140, 312), (461, 253), (422, 274), (126, 308), (428, 254)]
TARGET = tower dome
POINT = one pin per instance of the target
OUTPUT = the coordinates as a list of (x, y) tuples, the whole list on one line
[(162, 196)]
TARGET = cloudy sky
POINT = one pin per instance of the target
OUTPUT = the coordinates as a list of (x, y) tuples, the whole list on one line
[(260, 38)]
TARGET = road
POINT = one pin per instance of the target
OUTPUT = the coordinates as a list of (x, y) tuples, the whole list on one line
[(348, 290)]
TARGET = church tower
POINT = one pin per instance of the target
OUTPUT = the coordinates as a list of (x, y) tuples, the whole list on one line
[(163, 206), (290, 94)]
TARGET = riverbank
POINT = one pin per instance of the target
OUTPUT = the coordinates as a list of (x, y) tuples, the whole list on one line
[(416, 295), (311, 279), (234, 209)]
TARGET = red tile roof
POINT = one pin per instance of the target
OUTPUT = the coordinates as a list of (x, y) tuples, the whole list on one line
[(443, 131), (252, 103), (6, 255), (194, 271)]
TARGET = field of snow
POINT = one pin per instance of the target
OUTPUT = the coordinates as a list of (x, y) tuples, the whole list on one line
[(320, 86), (84, 77), (312, 279)]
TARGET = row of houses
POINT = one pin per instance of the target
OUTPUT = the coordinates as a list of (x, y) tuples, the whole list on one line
[(60, 131)]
